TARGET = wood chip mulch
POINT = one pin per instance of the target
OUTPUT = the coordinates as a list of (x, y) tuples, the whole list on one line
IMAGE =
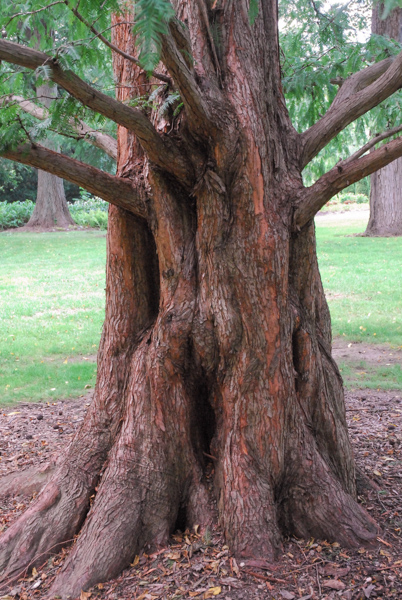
[(200, 566)]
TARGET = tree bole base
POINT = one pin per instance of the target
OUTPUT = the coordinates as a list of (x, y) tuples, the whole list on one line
[(155, 476)]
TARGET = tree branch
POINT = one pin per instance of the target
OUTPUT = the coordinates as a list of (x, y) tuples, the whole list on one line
[(112, 46), (175, 46), (160, 151), (82, 131), (357, 95), (116, 190), (313, 198), (375, 140)]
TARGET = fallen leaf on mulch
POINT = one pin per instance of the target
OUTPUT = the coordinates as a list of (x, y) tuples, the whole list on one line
[(334, 571), (334, 584), (367, 591), (287, 595)]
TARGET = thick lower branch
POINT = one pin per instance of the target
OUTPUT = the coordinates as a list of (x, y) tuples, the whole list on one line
[(312, 199), (116, 190), (162, 152), (362, 92)]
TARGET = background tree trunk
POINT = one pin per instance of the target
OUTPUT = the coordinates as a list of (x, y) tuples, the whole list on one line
[(51, 208), (386, 184)]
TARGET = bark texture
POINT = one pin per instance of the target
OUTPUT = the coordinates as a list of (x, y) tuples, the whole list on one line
[(51, 208), (386, 184), (216, 350)]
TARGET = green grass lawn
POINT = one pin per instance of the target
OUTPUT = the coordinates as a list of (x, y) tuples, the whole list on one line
[(362, 278), (363, 375), (52, 305), (51, 313)]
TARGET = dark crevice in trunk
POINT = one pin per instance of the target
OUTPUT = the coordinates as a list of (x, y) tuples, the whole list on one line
[(181, 519), (202, 419)]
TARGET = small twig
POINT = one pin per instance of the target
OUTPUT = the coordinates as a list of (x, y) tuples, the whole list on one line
[(32, 12), (24, 571), (25, 130), (210, 456), (371, 143), (318, 580), (394, 566), (321, 562), (265, 577)]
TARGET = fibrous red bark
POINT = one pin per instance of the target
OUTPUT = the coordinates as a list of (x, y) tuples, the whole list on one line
[(217, 338)]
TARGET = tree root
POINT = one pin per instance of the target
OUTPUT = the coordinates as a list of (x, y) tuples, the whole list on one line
[(150, 475), (316, 504), (27, 482), (50, 522)]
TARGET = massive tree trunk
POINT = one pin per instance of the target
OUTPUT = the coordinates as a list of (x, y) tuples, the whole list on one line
[(386, 184), (51, 208), (217, 339)]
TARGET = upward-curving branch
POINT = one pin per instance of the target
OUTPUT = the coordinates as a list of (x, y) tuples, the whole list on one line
[(341, 176), (358, 94), (198, 109), (116, 190), (160, 151)]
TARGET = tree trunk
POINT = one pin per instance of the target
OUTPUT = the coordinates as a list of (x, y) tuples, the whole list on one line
[(216, 343), (385, 195), (51, 208)]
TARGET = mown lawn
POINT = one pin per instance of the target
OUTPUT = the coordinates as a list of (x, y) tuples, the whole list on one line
[(362, 278), (52, 304), (51, 313)]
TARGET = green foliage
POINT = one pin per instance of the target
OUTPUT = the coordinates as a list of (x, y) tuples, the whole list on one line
[(75, 48), (322, 42), (86, 212), (16, 214), (350, 198), (389, 6), (151, 21), (32, 23), (96, 219), (253, 11), (17, 182)]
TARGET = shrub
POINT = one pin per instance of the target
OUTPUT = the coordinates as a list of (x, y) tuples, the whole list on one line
[(86, 212), (15, 214), (94, 218), (89, 211), (350, 198)]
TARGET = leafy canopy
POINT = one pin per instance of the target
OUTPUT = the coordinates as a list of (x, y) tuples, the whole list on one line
[(321, 42)]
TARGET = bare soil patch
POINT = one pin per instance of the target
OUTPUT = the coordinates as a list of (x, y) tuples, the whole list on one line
[(200, 566), (373, 354)]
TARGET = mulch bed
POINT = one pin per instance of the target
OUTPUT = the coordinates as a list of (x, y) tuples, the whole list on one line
[(200, 566)]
